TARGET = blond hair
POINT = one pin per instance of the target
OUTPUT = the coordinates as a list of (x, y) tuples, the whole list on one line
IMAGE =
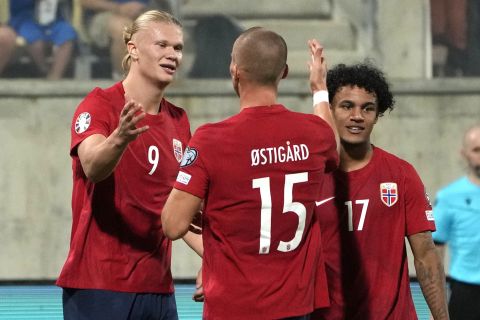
[(141, 23)]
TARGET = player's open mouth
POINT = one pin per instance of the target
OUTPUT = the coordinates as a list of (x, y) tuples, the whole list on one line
[(355, 129), (170, 68)]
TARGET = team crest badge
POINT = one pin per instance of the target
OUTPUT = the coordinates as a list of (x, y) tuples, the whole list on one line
[(388, 193), (177, 149), (83, 122), (189, 157)]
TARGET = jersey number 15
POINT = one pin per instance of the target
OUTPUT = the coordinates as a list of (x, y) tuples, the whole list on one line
[(288, 206)]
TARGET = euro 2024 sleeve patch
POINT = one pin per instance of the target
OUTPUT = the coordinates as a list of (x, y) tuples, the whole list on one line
[(83, 122), (189, 157)]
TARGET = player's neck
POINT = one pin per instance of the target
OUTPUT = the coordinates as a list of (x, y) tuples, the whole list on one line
[(355, 156), (255, 95), (148, 94)]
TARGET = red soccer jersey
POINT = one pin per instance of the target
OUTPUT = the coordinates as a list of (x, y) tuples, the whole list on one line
[(117, 241), (363, 233), (259, 172)]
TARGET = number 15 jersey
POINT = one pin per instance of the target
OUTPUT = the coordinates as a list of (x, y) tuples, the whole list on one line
[(259, 172)]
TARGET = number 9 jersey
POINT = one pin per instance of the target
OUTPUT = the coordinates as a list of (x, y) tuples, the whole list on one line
[(117, 241)]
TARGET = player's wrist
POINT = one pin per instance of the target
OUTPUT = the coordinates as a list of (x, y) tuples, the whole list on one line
[(320, 96), (118, 141)]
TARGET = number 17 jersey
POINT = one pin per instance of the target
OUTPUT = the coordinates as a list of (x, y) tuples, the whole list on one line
[(363, 232), (259, 172)]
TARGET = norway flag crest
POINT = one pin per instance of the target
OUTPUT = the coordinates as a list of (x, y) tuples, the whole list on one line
[(177, 149), (388, 193)]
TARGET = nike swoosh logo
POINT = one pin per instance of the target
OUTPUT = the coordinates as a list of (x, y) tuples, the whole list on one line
[(318, 203)]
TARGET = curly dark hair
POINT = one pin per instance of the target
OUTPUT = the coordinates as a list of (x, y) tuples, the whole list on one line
[(365, 76)]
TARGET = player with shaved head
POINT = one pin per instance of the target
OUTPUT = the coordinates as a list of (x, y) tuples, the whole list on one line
[(457, 215), (259, 173), (262, 56)]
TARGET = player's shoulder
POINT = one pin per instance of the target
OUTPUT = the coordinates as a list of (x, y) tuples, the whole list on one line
[(104, 95), (392, 159), (95, 101), (212, 128), (174, 109), (97, 93), (307, 117), (400, 167), (387, 155), (309, 123)]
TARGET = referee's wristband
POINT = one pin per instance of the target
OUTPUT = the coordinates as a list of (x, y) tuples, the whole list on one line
[(320, 96)]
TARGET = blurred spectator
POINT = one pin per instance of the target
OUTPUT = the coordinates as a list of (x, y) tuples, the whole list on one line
[(450, 29), (473, 38), (457, 218), (213, 37), (7, 43), (106, 19), (41, 23)]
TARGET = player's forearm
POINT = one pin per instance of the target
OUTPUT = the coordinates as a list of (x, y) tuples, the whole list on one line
[(100, 157), (441, 251), (431, 276), (173, 228), (322, 110), (195, 242), (178, 213), (318, 86)]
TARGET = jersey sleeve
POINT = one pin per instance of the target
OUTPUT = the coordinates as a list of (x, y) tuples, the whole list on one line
[(332, 158), (442, 220), (192, 176), (91, 117), (419, 216)]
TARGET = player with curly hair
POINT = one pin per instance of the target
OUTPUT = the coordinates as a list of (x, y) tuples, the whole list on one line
[(372, 202)]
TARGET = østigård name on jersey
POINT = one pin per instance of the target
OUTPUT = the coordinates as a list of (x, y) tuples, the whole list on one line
[(279, 154)]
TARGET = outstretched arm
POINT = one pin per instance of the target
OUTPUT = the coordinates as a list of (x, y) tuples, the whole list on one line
[(99, 155), (430, 273)]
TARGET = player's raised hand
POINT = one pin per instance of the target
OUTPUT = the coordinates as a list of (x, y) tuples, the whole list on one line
[(317, 66), (130, 116)]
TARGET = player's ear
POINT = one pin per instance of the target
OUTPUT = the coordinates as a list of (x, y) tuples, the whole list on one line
[(285, 72), (132, 50), (234, 72)]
